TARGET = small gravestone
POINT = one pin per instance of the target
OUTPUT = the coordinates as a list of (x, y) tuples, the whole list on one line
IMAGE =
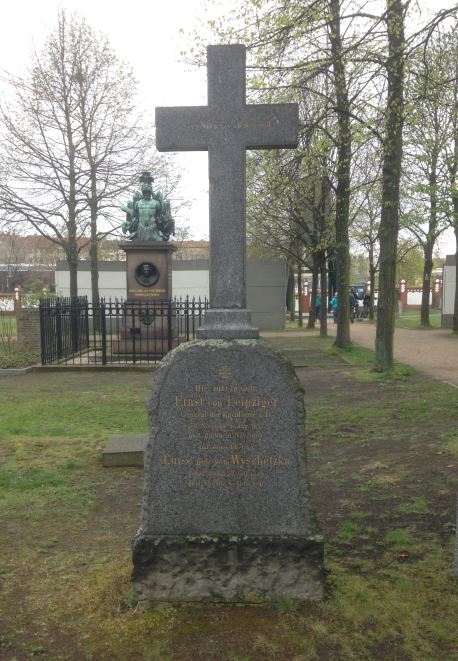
[(226, 512)]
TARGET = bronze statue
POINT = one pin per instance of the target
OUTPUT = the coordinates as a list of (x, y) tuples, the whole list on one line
[(148, 214)]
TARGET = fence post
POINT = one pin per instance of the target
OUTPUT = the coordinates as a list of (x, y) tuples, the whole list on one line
[(186, 316), (169, 325), (58, 314), (103, 330)]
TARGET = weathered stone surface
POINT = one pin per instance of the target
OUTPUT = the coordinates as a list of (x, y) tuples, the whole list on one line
[(227, 568), (227, 325), (125, 450), (225, 462), (227, 441)]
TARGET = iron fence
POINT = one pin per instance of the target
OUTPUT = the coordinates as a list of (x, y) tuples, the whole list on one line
[(76, 332)]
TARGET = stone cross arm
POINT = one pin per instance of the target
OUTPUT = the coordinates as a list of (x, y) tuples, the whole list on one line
[(199, 128), (226, 128), (227, 121)]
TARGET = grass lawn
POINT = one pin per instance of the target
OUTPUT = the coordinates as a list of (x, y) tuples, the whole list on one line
[(411, 319), (383, 457)]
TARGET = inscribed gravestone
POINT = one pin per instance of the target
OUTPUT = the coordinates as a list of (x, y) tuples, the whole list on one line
[(226, 513)]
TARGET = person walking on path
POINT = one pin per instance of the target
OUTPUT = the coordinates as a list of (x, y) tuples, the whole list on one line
[(334, 307), (318, 305), (353, 305)]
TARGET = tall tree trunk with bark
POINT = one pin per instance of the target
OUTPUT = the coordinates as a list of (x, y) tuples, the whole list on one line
[(94, 252), (455, 308), (392, 157), (372, 271), (428, 243), (324, 294), (344, 155), (291, 305), (427, 270), (72, 261), (299, 295), (453, 169), (315, 271)]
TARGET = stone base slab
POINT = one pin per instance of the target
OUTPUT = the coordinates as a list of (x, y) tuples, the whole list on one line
[(227, 324), (125, 450), (226, 568)]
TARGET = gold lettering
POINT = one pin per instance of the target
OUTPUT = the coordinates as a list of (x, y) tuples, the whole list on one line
[(188, 401)]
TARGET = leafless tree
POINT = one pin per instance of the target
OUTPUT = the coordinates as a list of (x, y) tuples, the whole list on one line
[(73, 143)]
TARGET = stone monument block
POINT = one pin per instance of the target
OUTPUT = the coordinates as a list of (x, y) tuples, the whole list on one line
[(149, 270), (226, 512)]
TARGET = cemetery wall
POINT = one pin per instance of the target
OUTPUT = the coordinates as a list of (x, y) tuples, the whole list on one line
[(266, 285), (448, 299)]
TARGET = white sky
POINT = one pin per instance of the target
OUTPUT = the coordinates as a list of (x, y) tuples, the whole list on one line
[(150, 36)]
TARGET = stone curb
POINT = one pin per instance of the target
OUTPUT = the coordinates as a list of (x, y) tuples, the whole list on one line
[(16, 371)]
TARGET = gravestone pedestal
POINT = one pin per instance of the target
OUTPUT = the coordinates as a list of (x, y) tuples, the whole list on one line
[(149, 327), (148, 270), (226, 512)]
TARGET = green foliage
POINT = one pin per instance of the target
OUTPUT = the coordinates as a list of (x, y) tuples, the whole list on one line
[(410, 264), (13, 357)]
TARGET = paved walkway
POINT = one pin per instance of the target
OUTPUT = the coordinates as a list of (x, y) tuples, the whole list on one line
[(432, 351)]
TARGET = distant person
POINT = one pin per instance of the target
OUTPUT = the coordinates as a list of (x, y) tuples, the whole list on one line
[(334, 307), (318, 305), (366, 304), (353, 305)]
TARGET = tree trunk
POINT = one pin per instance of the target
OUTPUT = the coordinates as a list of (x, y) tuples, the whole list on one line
[(372, 300), (324, 294), (312, 315), (427, 270), (299, 294), (94, 265), (455, 309), (290, 296), (343, 180), (73, 273), (372, 271), (392, 156)]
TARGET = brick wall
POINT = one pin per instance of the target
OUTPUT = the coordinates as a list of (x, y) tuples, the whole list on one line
[(28, 329)]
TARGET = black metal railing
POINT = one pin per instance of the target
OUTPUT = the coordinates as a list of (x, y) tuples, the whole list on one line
[(76, 332)]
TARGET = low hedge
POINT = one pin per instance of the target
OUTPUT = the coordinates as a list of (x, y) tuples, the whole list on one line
[(11, 357)]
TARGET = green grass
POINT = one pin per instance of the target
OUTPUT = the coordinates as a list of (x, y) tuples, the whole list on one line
[(62, 406), (381, 457), (411, 319)]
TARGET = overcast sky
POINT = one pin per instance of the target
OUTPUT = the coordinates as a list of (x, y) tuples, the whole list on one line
[(150, 36)]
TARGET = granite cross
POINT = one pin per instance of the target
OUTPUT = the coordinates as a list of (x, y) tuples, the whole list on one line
[(226, 128)]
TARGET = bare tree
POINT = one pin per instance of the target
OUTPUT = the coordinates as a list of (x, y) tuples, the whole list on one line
[(73, 143)]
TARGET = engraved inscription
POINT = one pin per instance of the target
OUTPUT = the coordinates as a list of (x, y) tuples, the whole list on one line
[(224, 425), (215, 126)]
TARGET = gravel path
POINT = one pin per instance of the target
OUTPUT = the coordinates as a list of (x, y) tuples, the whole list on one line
[(432, 351)]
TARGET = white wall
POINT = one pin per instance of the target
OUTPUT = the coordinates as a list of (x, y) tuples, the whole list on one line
[(194, 284), (266, 285), (448, 295), (414, 297), (112, 284)]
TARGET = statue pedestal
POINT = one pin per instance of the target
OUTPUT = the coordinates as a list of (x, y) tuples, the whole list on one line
[(149, 270), (149, 326)]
